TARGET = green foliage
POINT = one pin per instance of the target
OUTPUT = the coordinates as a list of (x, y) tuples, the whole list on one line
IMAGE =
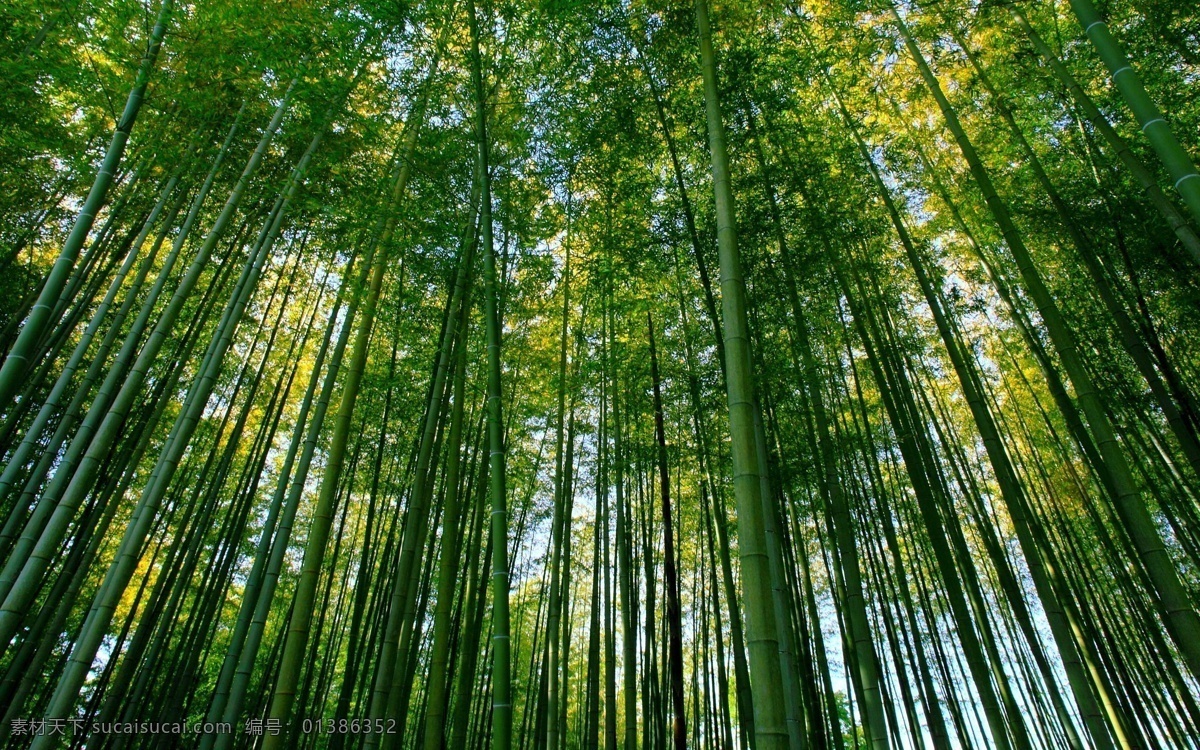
[(927, 484)]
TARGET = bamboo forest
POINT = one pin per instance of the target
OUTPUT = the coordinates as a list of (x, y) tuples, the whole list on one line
[(600, 374)]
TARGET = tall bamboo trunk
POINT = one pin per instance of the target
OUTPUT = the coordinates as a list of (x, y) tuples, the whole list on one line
[(770, 718), (17, 362), (671, 581), (1174, 157), (501, 659)]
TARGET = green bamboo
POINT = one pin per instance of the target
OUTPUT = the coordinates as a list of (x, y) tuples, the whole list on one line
[(1175, 158), (770, 729), (1176, 609), (18, 361), (501, 667), (671, 580)]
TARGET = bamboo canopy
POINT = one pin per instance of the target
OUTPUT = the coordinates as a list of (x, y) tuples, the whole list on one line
[(548, 375)]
